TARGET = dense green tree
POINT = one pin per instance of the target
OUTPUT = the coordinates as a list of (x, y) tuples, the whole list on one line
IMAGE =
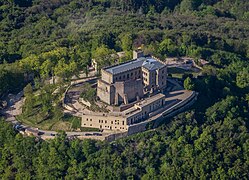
[(126, 41), (103, 56), (188, 84), (242, 79), (28, 90), (60, 38), (167, 48), (88, 93), (65, 70), (186, 6)]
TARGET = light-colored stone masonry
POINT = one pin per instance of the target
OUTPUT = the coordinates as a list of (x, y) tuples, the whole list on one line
[(138, 84), (178, 107), (120, 121), (126, 83), (129, 81)]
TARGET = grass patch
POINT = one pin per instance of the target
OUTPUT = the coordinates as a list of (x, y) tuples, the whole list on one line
[(29, 121), (61, 125), (67, 123), (75, 122), (179, 72), (175, 70), (88, 129)]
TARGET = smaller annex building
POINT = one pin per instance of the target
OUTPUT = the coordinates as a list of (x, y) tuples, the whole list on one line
[(122, 120)]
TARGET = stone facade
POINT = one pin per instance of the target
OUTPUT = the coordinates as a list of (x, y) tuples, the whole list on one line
[(138, 53), (120, 121), (129, 81), (105, 121), (106, 92), (135, 84), (128, 91)]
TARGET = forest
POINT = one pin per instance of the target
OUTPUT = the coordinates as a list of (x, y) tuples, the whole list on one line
[(60, 37)]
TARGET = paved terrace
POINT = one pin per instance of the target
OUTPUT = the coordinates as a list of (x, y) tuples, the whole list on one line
[(173, 100)]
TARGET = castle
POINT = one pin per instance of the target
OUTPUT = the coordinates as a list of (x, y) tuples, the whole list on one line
[(130, 81), (137, 85)]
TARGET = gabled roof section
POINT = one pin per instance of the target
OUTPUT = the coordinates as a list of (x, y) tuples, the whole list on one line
[(152, 64), (146, 62)]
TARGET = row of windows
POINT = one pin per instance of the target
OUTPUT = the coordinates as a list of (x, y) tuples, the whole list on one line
[(137, 120), (156, 105), (139, 116), (102, 121), (145, 79), (110, 127), (127, 76), (116, 122), (90, 125)]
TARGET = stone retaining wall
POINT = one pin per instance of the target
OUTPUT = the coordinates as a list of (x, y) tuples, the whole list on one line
[(114, 137), (157, 121)]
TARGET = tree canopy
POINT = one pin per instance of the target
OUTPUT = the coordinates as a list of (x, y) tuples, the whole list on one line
[(42, 39)]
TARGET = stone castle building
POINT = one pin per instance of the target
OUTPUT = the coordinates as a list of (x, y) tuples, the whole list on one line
[(130, 81), (136, 85)]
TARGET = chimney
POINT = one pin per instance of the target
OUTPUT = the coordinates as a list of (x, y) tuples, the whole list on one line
[(138, 53)]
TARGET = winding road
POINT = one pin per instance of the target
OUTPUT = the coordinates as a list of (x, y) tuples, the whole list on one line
[(15, 103), (14, 108)]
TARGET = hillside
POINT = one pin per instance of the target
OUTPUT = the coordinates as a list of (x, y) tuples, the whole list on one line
[(60, 37)]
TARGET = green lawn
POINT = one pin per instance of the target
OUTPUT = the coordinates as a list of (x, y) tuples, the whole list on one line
[(179, 72), (67, 123)]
